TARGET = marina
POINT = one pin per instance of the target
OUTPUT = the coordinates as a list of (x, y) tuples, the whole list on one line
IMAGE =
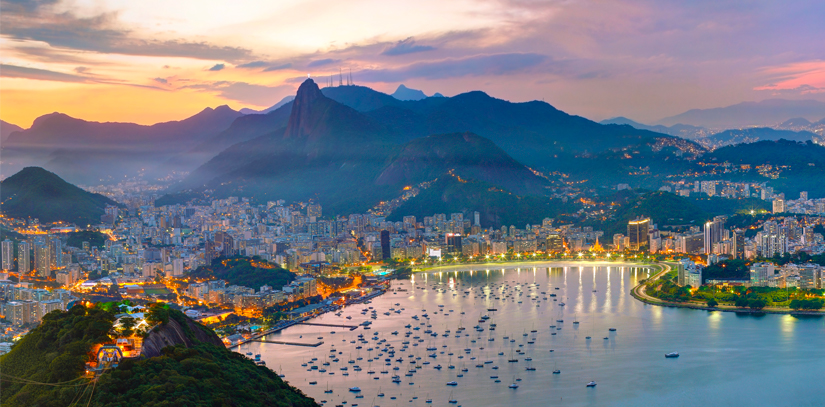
[(498, 337)]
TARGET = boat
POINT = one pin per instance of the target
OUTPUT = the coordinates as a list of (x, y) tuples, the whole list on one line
[(513, 386), (591, 384), (355, 389), (557, 371), (672, 355), (453, 383), (612, 329)]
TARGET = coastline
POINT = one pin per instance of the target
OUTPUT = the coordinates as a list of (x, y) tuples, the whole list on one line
[(586, 263), (638, 293)]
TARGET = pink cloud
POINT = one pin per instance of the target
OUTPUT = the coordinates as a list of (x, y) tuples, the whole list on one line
[(806, 77)]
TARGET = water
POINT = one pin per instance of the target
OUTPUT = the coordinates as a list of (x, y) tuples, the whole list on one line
[(726, 359)]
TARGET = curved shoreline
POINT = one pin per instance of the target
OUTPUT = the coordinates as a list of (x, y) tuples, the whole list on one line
[(639, 293), (572, 262)]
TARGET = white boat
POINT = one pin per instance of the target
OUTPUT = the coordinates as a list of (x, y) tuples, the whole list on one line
[(591, 384), (453, 383), (672, 355), (355, 389)]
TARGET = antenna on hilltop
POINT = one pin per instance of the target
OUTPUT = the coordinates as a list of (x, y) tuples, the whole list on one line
[(340, 77), (349, 79)]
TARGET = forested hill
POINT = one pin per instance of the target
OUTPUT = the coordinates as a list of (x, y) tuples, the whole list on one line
[(45, 369)]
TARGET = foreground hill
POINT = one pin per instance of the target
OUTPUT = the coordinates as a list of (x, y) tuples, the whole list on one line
[(191, 369), (37, 193)]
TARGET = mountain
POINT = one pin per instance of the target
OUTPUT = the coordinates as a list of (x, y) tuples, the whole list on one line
[(752, 135), (405, 93), (465, 156), (283, 101), (6, 129), (91, 152), (795, 122), (748, 114), (182, 363), (351, 147), (37, 193), (679, 130)]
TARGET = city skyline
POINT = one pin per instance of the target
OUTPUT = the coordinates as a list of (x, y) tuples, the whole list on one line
[(642, 60)]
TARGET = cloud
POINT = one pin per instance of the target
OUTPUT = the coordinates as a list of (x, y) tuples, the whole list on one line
[(406, 46), (254, 64), (247, 93), (795, 78), (278, 67), (322, 62), (497, 64), (217, 67), (161, 80), (13, 71), (100, 34), (82, 69)]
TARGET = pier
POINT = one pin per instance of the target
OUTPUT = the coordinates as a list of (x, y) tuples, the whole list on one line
[(350, 327), (311, 345)]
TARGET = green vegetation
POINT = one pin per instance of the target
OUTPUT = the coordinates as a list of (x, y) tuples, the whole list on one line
[(807, 304), (249, 272), (36, 193), (665, 288), (95, 239), (54, 352), (727, 270)]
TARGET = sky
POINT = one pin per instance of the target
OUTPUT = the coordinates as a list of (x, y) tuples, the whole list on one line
[(150, 61)]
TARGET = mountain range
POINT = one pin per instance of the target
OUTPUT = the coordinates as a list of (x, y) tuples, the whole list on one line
[(351, 147), (765, 113), (37, 193), (6, 129)]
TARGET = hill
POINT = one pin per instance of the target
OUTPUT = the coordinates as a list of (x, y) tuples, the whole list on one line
[(679, 130), (83, 150), (752, 135), (464, 155), (282, 102), (245, 271), (193, 370), (37, 193), (747, 114)]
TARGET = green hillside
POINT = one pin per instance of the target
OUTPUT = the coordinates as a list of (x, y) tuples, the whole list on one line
[(245, 271), (36, 193)]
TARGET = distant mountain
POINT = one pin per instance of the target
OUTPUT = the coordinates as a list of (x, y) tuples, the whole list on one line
[(405, 93), (92, 152), (747, 114), (269, 109), (6, 129), (795, 122), (37, 193), (752, 135), (678, 130)]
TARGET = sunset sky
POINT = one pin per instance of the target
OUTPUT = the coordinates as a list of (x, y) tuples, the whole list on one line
[(149, 61)]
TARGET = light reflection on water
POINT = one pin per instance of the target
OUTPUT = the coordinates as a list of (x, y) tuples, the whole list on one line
[(727, 359)]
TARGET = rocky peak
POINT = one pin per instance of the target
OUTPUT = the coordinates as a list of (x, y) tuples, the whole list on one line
[(299, 124)]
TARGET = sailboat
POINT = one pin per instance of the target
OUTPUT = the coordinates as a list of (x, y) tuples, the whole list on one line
[(452, 400), (328, 390)]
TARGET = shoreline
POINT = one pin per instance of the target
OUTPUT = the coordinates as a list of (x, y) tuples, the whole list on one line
[(638, 293), (586, 263)]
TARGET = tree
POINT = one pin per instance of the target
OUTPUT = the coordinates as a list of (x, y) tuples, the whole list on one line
[(741, 302), (757, 303), (712, 303), (127, 325)]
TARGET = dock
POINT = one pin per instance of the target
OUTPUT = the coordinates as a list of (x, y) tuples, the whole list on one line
[(311, 345), (350, 327)]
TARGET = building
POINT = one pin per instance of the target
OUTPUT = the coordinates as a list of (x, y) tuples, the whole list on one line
[(689, 274), (714, 233), (738, 244), (386, 251), (554, 243), (43, 259), (637, 231), (453, 241), (810, 276), (314, 211), (24, 250), (778, 205), (761, 273), (8, 255)]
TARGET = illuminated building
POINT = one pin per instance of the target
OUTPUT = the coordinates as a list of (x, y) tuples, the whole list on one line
[(637, 231)]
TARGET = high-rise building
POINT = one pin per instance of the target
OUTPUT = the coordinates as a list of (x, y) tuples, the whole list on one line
[(803, 195), (314, 210), (738, 241), (637, 231), (385, 245), (778, 205), (760, 273), (453, 243), (476, 218), (43, 259), (714, 232), (8, 255), (227, 243), (24, 257), (554, 243)]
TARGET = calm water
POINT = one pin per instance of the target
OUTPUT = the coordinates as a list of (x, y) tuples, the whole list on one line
[(726, 359)]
